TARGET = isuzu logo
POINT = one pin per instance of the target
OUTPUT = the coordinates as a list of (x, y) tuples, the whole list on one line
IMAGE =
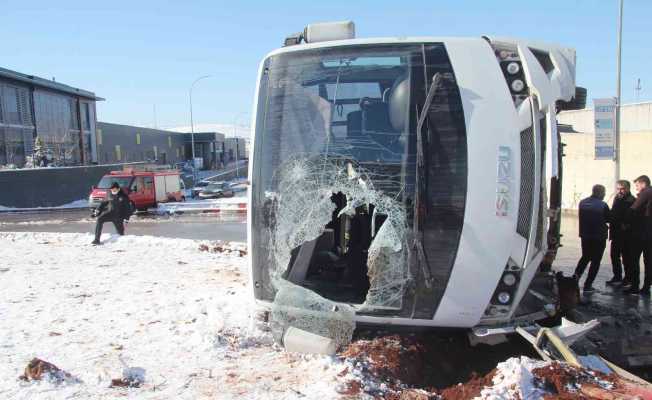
[(504, 181)]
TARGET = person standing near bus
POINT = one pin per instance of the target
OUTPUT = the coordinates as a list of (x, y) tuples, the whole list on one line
[(620, 234), (593, 216), (642, 244)]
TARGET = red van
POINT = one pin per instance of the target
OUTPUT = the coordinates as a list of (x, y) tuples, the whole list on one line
[(145, 188)]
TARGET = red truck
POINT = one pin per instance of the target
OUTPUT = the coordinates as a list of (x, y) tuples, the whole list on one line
[(145, 188)]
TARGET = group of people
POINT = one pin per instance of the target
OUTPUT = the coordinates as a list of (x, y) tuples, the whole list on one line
[(628, 225)]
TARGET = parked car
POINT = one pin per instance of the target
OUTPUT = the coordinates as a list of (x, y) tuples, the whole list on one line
[(216, 190), (199, 186), (239, 186)]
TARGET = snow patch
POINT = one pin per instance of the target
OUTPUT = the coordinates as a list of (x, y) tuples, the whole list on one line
[(141, 304)]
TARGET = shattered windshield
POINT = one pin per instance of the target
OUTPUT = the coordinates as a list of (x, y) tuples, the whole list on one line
[(334, 172)]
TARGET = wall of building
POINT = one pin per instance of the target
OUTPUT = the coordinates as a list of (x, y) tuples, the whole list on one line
[(209, 146), (124, 143), (16, 122), (62, 116), (49, 187), (235, 146), (582, 171)]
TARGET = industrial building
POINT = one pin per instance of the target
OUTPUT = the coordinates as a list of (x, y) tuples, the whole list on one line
[(61, 115), (582, 170), (123, 143), (235, 148)]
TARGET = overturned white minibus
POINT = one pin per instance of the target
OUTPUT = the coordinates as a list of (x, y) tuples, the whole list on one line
[(411, 181)]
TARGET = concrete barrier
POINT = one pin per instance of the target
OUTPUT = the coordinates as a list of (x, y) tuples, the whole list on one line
[(50, 187)]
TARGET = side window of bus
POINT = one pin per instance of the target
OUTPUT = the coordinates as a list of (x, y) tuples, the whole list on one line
[(137, 185), (149, 183)]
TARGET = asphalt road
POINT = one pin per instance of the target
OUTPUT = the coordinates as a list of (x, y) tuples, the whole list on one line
[(187, 226)]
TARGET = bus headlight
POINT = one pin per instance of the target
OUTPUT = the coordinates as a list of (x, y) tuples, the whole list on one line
[(504, 297), (509, 279), (513, 68), (517, 85)]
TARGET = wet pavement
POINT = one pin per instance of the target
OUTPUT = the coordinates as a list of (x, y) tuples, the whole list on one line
[(607, 296), (624, 335), (187, 226)]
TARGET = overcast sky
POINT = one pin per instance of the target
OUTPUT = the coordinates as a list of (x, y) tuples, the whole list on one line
[(145, 54)]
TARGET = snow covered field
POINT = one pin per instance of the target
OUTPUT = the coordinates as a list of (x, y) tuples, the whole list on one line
[(159, 304), (176, 312)]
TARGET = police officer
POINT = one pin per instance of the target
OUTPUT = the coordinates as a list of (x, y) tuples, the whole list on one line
[(115, 209)]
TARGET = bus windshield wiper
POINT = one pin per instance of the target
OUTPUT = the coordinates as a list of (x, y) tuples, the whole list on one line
[(420, 201)]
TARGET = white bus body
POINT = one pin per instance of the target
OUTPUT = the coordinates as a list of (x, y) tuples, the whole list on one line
[(337, 179)]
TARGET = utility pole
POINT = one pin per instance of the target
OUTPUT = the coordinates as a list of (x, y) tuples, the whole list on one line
[(618, 62), (637, 89)]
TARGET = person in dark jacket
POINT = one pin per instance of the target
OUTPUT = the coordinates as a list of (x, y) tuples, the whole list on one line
[(594, 215), (115, 209), (642, 241), (620, 234)]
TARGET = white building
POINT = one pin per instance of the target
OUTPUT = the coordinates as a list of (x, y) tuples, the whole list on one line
[(582, 171)]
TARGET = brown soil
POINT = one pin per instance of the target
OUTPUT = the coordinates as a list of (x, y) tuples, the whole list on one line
[(565, 382), (38, 369), (401, 364), (390, 358), (470, 389), (222, 247)]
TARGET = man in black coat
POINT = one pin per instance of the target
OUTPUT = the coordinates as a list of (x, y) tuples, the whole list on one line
[(642, 243), (116, 209), (620, 234), (594, 215)]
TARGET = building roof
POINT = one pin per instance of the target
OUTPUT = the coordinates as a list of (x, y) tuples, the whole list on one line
[(45, 83)]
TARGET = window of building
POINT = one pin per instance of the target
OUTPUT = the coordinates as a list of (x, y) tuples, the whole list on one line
[(74, 114), (87, 116), (118, 153), (11, 100), (170, 141), (98, 134), (138, 138), (155, 152)]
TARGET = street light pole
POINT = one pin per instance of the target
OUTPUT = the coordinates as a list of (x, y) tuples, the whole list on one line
[(192, 128), (618, 79), (237, 142)]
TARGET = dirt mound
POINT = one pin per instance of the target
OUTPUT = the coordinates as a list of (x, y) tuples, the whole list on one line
[(564, 381), (390, 358), (224, 248), (394, 367), (470, 389), (38, 369)]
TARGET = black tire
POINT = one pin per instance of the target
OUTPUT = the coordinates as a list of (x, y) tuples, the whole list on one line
[(578, 102)]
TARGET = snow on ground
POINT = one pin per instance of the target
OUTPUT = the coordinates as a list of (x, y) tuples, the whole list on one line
[(236, 203), (162, 305), (83, 203)]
